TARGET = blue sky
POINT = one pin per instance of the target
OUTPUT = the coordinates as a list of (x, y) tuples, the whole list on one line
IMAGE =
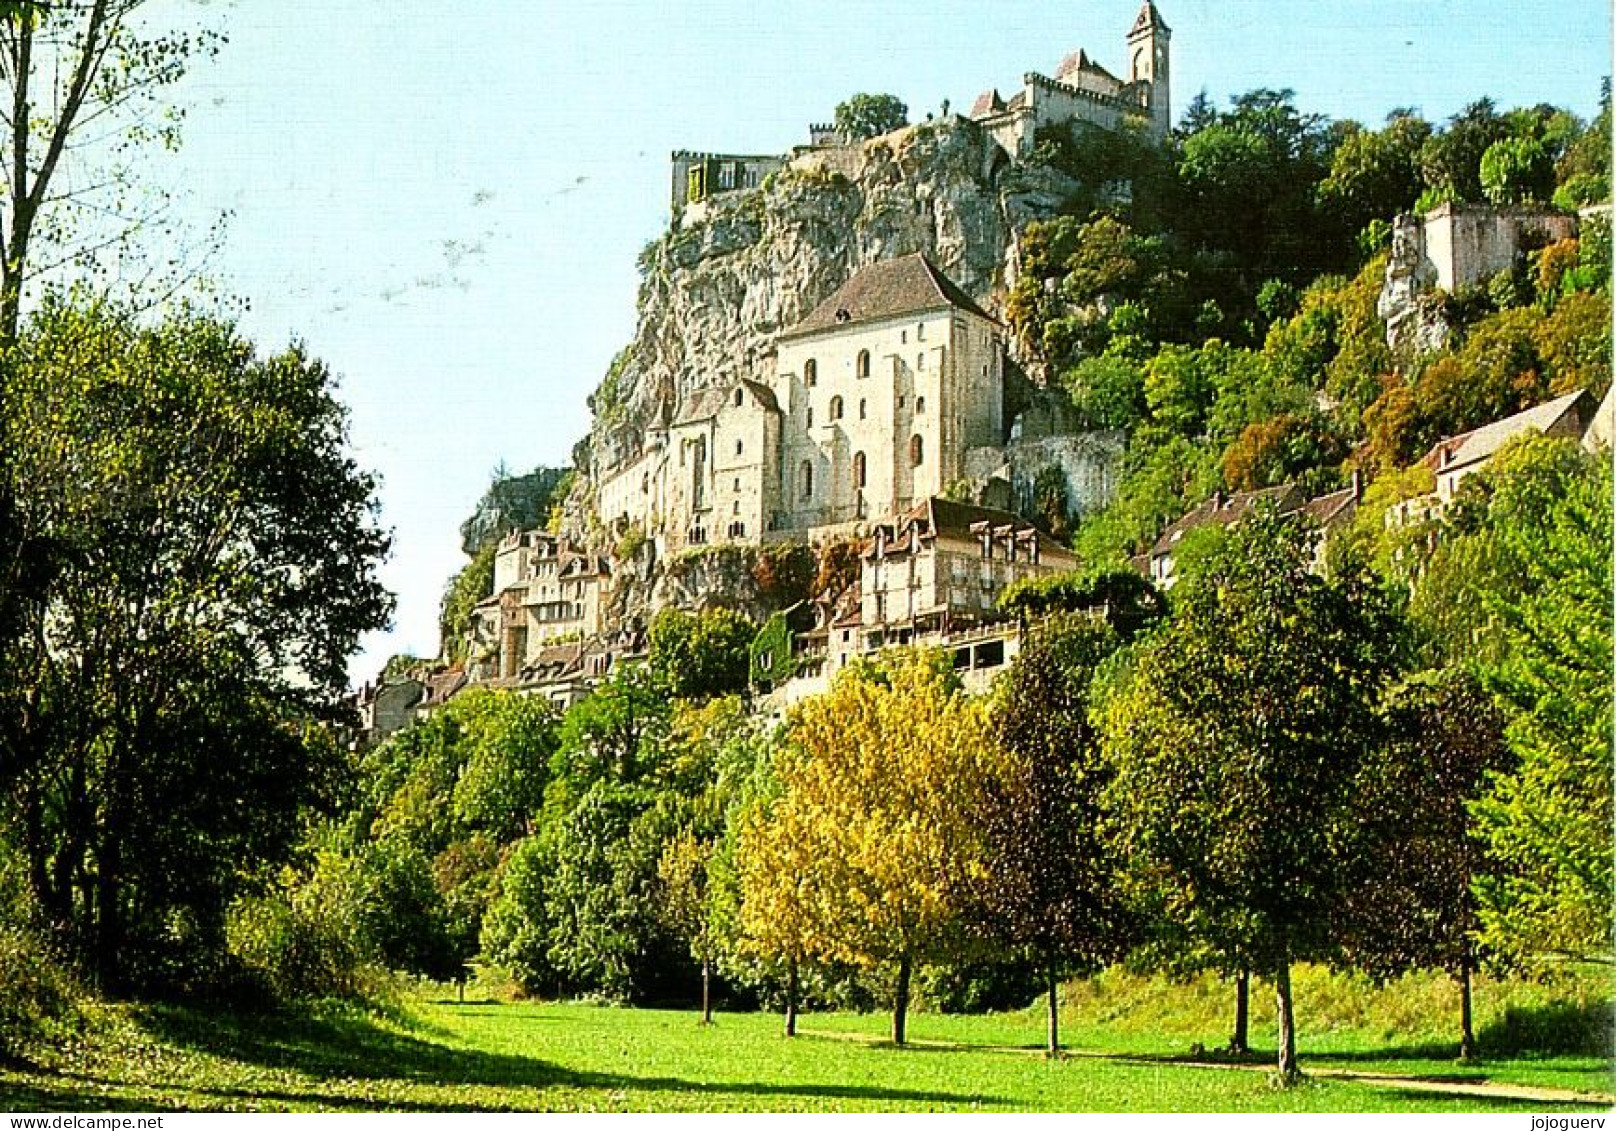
[(445, 199)]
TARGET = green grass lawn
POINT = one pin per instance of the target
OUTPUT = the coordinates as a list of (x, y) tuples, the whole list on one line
[(488, 1056)]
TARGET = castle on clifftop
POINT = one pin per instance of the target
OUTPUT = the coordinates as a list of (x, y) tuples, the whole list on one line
[(1081, 90)]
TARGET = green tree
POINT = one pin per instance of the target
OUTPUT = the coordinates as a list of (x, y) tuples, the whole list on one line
[(1237, 735), (1053, 893), (212, 556), (1412, 905), (1545, 528), (1450, 160), (870, 115), (1375, 174), (1517, 170), (700, 655)]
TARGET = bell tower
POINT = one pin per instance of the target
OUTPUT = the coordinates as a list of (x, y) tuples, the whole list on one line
[(1149, 62)]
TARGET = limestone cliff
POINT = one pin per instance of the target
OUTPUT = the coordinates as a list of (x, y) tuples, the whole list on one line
[(740, 268)]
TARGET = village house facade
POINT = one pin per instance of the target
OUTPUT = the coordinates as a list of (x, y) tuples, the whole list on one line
[(545, 592)]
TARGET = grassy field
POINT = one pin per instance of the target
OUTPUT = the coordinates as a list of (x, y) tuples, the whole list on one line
[(441, 1056)]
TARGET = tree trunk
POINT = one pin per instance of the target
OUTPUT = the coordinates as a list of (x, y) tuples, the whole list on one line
[(706, 990), (791, 999), (1054, 1012), (1288, 1072), (109, 915), (900, 1000), (1467, 1035), (1240, 1043)]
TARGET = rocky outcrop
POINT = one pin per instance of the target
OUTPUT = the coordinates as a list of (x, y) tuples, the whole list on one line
[(717, 292)]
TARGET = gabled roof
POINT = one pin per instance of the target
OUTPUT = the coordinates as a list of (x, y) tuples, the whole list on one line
[(936, 516), (763, 393), (1225, 510), (1481, 443), (987, 103), (1329, 511), (704, 404), (1079, 61), (887, 289)]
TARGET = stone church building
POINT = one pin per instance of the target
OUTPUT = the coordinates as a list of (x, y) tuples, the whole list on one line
[(876, 397)]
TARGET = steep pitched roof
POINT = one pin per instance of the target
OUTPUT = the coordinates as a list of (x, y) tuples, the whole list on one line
[(1481, 443), (886, 289), (987, 103), (1148, 19), (763, 393), (1079, 61), (703, 404)]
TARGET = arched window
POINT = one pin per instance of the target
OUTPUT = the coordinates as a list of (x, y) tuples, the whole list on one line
[(836, 408), (920, 406), (810, 373), (858, 470), (807, 477), (917, 450), (864, 363)]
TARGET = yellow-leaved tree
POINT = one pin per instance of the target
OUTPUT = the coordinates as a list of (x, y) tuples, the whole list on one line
[(873, 851)]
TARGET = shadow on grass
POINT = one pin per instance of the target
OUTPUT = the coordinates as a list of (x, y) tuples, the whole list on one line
[(1562, 1029), (354, 1049)]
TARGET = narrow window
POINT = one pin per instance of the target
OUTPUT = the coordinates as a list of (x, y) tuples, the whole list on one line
[(807, 480), (920, 361), (862, 407), (739, 398), (836, 408), (810, 416), (920, 406), (920, 332), (740, 446), (810, 373), (917, 450), (858, 470), (864, 363)]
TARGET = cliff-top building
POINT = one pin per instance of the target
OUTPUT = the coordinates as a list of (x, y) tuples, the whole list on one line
[(1081, 90)]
